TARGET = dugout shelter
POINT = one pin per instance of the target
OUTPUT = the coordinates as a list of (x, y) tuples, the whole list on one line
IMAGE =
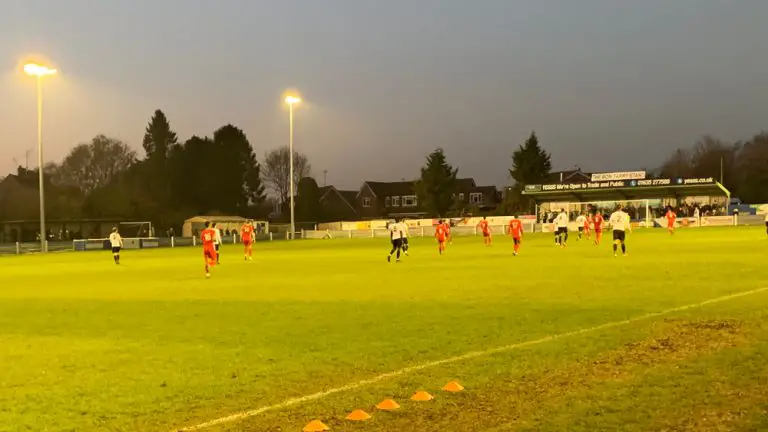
[(645, 198), (194, 225)]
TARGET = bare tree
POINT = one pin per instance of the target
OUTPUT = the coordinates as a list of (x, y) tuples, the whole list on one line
[(276, 171), (677, 165), (94, 165)]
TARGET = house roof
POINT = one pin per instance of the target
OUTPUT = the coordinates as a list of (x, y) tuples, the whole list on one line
[(568, 176), (201, 219), (490, 190), (463, 184), (347, 196), (385, 189)]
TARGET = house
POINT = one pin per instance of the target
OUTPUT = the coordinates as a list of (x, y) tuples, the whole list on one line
[(568, 176), (471, 197), (377, 200), (398, 199), (338, 205)]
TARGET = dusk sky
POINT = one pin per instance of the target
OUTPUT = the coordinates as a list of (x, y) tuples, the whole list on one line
[(606, 84)]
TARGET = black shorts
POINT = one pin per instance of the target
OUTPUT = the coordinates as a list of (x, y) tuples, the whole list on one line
[(397, 243), (619, 235), (404, 241), (115, 249), (562, 230), (216, 246), (581, 229)]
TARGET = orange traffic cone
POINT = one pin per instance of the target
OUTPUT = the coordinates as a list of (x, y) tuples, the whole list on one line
[(358, 415), (422, 396), (453, 387), (388, 405), (316, 426)]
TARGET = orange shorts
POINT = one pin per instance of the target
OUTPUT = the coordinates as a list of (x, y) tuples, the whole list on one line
[(209, 253)]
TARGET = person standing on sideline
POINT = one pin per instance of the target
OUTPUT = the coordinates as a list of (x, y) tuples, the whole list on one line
[(396, 237), (620, 224), (216, 241), (116, 242), (561, 222)]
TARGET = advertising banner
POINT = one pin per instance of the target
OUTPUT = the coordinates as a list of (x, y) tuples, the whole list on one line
[(612, 176)]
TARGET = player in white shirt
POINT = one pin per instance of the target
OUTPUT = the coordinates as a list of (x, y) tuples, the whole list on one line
[(216, 240), (396, 236), (561, 222), (620, 224), (581, 220), (116, 242), (405, 233)]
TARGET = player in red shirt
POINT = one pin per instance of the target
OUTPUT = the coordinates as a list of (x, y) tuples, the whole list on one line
[(208, 236), (441, 234), (587, 226), (516, 231), (671, 217), (598, 220), (486, 230), (247, 234)]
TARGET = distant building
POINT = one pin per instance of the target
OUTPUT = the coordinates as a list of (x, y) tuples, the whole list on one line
[(399, 199), (568, 176)]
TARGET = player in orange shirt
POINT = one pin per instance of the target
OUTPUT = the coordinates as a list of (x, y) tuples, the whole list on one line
[(208, 236), (516, 231), (247, 234), (587, 227), (441, 235), (598, 220), (671, 217), (447, 227), (486, 230)]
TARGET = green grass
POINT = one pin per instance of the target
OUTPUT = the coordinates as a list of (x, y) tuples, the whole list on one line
[(153, 346)]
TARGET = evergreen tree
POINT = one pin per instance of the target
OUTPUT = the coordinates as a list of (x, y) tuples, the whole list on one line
[(239, 182), (159, 139), (437, 186), (308, 208), (531, 164)]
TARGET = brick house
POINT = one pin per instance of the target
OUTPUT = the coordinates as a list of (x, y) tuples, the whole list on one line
[(388, 199), (398, 199), (338, 205)]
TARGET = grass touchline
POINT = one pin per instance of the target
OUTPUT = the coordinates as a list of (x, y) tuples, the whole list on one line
[(469, 355)]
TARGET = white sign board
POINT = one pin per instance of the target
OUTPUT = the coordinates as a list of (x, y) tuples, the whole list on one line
[(628, 175)]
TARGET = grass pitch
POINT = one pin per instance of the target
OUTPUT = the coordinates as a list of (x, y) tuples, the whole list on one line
[(152, 345)]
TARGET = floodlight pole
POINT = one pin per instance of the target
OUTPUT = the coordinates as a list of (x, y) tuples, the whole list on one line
[(43, 235), (290, 162)]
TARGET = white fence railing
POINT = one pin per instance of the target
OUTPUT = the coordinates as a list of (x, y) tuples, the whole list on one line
[(21, 248)]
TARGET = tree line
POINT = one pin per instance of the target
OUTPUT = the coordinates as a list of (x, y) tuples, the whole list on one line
[(221, 174), (106, 179)]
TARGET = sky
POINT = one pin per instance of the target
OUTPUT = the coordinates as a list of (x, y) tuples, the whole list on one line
[(608, 85)]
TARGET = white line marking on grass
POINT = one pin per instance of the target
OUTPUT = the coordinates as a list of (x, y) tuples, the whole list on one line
[(467, 356)]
